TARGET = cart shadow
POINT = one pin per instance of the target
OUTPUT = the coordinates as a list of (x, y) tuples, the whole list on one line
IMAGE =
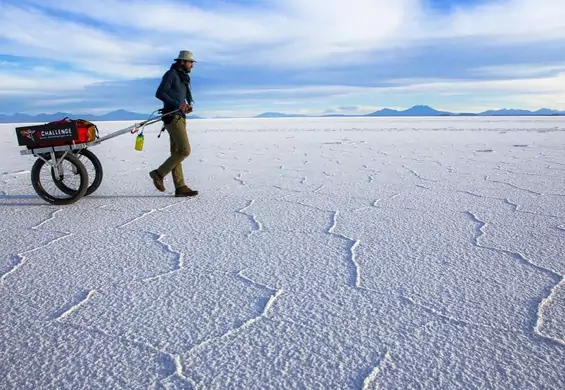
[(16, 200)]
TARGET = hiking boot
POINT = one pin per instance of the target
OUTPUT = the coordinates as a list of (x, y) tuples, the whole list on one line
[(157, 180), (185, 191)]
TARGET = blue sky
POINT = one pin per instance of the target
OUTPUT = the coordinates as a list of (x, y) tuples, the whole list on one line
[(299, 56)]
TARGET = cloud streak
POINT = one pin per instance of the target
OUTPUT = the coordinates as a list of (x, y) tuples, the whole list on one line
[(507, 21), (286, 49)]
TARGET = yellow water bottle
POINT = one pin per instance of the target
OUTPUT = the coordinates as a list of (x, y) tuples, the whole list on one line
[(139, 142)]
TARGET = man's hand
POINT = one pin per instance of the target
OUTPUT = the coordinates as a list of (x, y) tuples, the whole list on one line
[(186, 108)]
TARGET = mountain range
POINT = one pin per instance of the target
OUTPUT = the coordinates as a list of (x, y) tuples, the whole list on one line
[(425, 111), (415, 111), (118, 115)]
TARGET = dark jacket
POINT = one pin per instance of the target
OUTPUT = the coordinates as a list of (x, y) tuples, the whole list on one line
[(174, 90)]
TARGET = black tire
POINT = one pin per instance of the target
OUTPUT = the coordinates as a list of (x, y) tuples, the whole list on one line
[(97, 176), (73, 195)]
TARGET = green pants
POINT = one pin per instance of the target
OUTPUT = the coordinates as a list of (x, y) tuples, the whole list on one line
[(180, 150)]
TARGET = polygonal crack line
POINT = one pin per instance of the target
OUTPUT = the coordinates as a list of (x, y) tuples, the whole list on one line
[(418, 175), (256, 226), (150, 212), (538, 329), (146, 213), (443, 315), (239, 179), (379, 366), (451, 319), (173, 362), (407, 299), (265, 314), (20, 259), (176, 365), (79, 300), (428, 161), (480, 226), (178, 266), (517, 208), (178, 369), (82, 298), (318, 189), (479, 232), (506, 170), (289, 189), (368, 376), (354, 268), (50, 218), (514, 186), (178, 262), (376, 202)]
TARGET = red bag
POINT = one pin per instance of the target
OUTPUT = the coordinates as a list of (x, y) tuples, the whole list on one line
[(87, 131)]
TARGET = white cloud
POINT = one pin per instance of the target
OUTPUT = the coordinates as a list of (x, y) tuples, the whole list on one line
[(43, 83), (520, 70), (56, 102), (341, 31), (289, 33), (304, 33), (228, 23), (33, 34), (553, 84), (333, 90), (120, 40), (525, 92), (514, 21)]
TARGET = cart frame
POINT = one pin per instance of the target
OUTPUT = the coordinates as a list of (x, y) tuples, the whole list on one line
[(56, 155)]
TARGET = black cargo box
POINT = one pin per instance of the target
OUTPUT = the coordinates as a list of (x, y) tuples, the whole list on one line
[(48, 134)]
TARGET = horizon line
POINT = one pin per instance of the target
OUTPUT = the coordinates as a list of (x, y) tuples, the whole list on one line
[(281, 113)]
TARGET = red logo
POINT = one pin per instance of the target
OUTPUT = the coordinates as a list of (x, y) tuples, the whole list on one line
[(28, 134)]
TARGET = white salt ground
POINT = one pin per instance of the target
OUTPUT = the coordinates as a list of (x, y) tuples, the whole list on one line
[(362, 253)]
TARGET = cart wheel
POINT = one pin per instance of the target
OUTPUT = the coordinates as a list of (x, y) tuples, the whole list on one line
[(97, 174), (67, 163)]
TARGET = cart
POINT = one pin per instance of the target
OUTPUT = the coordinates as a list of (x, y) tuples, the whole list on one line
[(61, 145)]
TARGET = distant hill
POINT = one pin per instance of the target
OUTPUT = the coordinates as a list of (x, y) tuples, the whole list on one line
[(514, 112), (423, 111), (415, 111), (118, 115), (412, 111), (429, 111)]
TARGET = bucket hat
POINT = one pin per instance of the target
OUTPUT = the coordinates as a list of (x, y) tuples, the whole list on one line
[(185, 55)]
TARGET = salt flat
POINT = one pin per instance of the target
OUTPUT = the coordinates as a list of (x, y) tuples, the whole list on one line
[(394, 253)]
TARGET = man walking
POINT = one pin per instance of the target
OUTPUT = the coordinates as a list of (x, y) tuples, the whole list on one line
[(174, 92)]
